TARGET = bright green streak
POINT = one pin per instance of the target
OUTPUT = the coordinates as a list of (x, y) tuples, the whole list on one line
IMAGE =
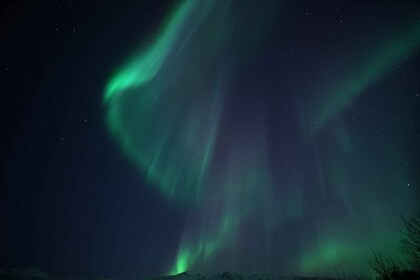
[(143, 67), (340, 98), (182, 264), (169, 138)]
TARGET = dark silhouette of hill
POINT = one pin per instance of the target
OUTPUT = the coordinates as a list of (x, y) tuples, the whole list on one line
[(36, 274)]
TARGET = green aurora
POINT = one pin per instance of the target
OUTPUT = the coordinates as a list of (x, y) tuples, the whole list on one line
[(166, 108)]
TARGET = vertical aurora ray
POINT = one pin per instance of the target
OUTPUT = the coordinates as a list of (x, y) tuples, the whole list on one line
[(165, 110), (241, 180)]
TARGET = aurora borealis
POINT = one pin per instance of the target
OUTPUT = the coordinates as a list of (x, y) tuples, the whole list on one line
[(167, 110), (158, 137)]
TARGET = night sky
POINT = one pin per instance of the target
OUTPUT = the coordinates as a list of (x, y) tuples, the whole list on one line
[(147, 138)]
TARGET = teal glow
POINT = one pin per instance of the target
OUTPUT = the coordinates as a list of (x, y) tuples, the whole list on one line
[(339, 98)]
